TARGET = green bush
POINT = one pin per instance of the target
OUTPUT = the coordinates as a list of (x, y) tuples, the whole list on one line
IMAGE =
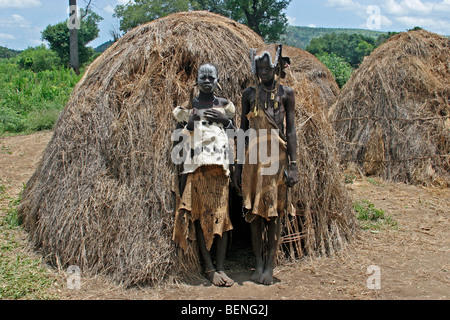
[(340, 68), (39, 59), (31, 101), (372, 218), (352, 47)]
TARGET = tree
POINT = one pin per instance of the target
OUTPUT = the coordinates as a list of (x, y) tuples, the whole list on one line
[(382, 38), (215, 6), (139, 12), (58, 37), (352, 47), (39, 59), (265, 17), (340, 68)]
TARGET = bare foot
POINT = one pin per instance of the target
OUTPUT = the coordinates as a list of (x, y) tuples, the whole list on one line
[(218, 279), (257, 274), (228, 281), (266, 278)]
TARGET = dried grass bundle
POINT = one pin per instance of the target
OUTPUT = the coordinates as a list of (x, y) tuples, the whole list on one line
[(392, 117), (102, 196)]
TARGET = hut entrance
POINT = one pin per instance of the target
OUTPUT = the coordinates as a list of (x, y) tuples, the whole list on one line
[(239, 253)]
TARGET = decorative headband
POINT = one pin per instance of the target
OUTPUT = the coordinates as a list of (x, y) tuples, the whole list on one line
[(273, 52)]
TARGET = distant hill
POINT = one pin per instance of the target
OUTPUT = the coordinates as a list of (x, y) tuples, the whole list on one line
[(8, 53), (101, 48), (300, 37)]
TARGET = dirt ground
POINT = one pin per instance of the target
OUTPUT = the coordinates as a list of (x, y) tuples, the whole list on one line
[(412, 257)]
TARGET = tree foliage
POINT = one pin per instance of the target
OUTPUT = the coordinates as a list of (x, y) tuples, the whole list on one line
[(384, 37), (301, 37), (340, 68), (265, 17), (39, 59), (139, 12), (351, 47), (32, 100), (58, 37)]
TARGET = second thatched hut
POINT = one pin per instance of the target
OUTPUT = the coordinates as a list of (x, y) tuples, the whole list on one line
[(392, 118)]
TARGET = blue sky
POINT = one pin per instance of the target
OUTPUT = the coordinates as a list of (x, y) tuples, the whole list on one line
[(21, 21)]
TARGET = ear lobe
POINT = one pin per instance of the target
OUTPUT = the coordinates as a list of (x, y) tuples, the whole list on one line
[(285, 63)]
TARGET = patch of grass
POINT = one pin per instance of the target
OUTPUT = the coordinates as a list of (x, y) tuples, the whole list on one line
[(374, 182), (2, 191), (11, 219), (6, 149), (372, 218), (21, 275), (349, 178)]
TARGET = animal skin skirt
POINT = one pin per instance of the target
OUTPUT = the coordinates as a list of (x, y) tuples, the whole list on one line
[(205, 198)]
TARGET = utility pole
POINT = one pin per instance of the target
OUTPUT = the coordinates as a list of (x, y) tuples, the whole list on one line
[(74, 25)]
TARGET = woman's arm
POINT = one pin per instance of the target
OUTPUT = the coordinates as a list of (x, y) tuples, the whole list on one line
[(291, 136)]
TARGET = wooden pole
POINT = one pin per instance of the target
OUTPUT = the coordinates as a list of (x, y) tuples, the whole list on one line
[(73, 24)]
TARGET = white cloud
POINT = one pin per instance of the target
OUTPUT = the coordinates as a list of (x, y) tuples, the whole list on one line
[(14, 21), (409, 6), (392, 7), (312, 25), (19, 3), (17, 18), (426, 14), (444, 6), (5, 36), (109, 9), (37, 42), (385, 22), (343, 4), (427, 23), (124, 1), (418, 6)]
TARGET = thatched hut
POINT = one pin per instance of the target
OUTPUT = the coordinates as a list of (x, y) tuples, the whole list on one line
[(102, 196), (324, 215), (392, 117)]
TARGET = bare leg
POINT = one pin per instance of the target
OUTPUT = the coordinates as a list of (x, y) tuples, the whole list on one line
[(210, 272), (220, 258), (256, 227), (274, 233)]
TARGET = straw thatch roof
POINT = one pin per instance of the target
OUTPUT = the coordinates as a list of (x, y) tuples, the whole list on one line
[(392, 117), (102, 196), (325, 217)]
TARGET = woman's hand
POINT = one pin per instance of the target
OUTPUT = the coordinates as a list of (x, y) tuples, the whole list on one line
[(292, 176), (195, 116), (216, 116)]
